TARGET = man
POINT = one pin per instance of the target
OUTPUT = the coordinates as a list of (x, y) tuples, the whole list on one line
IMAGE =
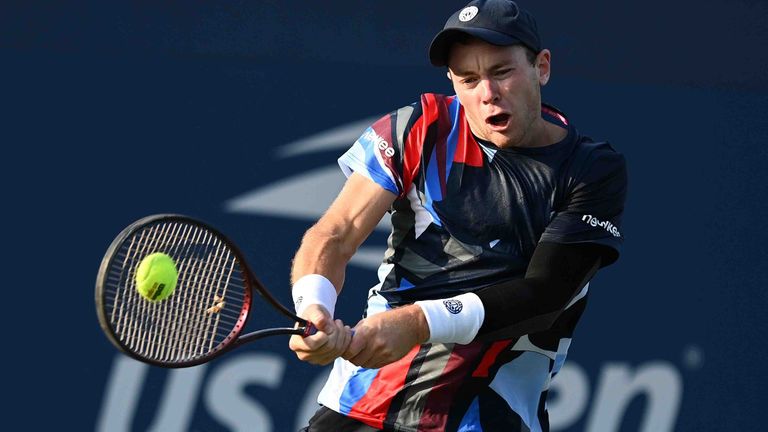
[(502, 212)]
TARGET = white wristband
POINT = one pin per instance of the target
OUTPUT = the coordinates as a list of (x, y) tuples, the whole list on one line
[(313, 289), (453, 320)]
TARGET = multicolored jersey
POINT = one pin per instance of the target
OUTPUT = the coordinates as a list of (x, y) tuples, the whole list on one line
[(467, 215)]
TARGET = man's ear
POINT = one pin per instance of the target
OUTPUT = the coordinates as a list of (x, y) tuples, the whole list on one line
[(544, 65)]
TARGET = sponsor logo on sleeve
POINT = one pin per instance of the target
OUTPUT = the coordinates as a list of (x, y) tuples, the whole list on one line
[(379, 142), (607, 225)]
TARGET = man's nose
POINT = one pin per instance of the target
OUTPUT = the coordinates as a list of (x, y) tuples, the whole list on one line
[(490, 91)]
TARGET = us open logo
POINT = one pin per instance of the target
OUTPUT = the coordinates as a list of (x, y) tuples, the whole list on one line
[(454, 306)]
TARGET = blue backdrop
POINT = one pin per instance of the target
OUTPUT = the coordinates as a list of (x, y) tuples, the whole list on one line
[(235, 113)]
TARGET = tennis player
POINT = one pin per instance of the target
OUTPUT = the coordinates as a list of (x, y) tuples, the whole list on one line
[(502, 212)]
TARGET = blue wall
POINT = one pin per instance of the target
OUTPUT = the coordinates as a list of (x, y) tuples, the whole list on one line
[(116, 111)]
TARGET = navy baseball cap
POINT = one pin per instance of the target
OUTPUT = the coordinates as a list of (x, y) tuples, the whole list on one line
[(498, 22)]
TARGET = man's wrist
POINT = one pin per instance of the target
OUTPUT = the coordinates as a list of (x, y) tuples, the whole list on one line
[(420, 326), (314, 289), (453, 320)]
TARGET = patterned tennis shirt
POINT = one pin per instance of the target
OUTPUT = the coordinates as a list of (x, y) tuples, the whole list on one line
[(467, 215)]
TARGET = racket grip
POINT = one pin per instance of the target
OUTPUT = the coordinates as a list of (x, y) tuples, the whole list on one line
[(309, 329)]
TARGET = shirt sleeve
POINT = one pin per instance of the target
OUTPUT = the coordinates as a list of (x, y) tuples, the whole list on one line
[(378, 153), (390, 151), (593, 210)]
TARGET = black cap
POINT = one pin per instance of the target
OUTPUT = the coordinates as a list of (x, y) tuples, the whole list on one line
[(498, 22)]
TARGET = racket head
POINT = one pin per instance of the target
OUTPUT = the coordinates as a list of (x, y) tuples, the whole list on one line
[(208, 309)]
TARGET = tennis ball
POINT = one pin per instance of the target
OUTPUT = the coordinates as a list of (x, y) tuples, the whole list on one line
[(156, 277)]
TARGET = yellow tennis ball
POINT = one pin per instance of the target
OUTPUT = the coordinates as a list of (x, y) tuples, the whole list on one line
[(156, 277)]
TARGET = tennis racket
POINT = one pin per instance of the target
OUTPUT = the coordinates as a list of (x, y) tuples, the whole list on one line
[(208, 310)]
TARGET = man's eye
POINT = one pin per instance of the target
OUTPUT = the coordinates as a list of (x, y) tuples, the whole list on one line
[(502, 72), (469, 80)]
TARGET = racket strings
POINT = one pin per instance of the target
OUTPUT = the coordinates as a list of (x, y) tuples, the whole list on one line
[(168, 328), (198, 329), (138, 330), (194, 332), (204, 308), (203, 322), (133, 328)]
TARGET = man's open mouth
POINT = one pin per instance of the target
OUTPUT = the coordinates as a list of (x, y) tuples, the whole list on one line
[(498, 120)]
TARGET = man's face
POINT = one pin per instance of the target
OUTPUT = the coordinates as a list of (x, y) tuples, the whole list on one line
[(500, 91)]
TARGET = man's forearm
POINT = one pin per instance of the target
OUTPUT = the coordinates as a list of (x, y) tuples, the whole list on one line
[(322, 252), (556, 273)]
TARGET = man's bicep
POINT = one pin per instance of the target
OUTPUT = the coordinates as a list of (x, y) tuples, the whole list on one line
[(328, 246), (357, 209)]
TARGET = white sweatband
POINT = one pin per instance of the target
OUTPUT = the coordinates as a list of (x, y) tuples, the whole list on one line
[(313, 289), (453, 320)]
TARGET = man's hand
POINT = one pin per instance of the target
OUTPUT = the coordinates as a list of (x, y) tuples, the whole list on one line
[(387, 336), (330, 341)]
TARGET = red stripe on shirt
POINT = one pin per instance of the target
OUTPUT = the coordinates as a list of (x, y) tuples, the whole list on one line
[(440, 398), (468, 150), (372, 408), (490, 358), (441, 146), (555, 114), (414, 145)]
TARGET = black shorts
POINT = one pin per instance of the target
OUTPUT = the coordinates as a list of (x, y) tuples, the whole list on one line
[(326, 420)]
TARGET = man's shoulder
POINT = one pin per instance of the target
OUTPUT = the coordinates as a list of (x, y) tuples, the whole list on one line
[(592, 150), (437, 101), (595, 159), (435, 107), (430, 109)]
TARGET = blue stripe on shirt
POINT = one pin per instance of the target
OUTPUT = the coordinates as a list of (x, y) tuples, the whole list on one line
[(356, 388)]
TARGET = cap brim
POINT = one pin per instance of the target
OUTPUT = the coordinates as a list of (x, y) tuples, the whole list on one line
[(440, 47)]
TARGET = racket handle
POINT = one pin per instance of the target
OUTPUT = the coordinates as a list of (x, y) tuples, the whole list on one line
[(309, 329)]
